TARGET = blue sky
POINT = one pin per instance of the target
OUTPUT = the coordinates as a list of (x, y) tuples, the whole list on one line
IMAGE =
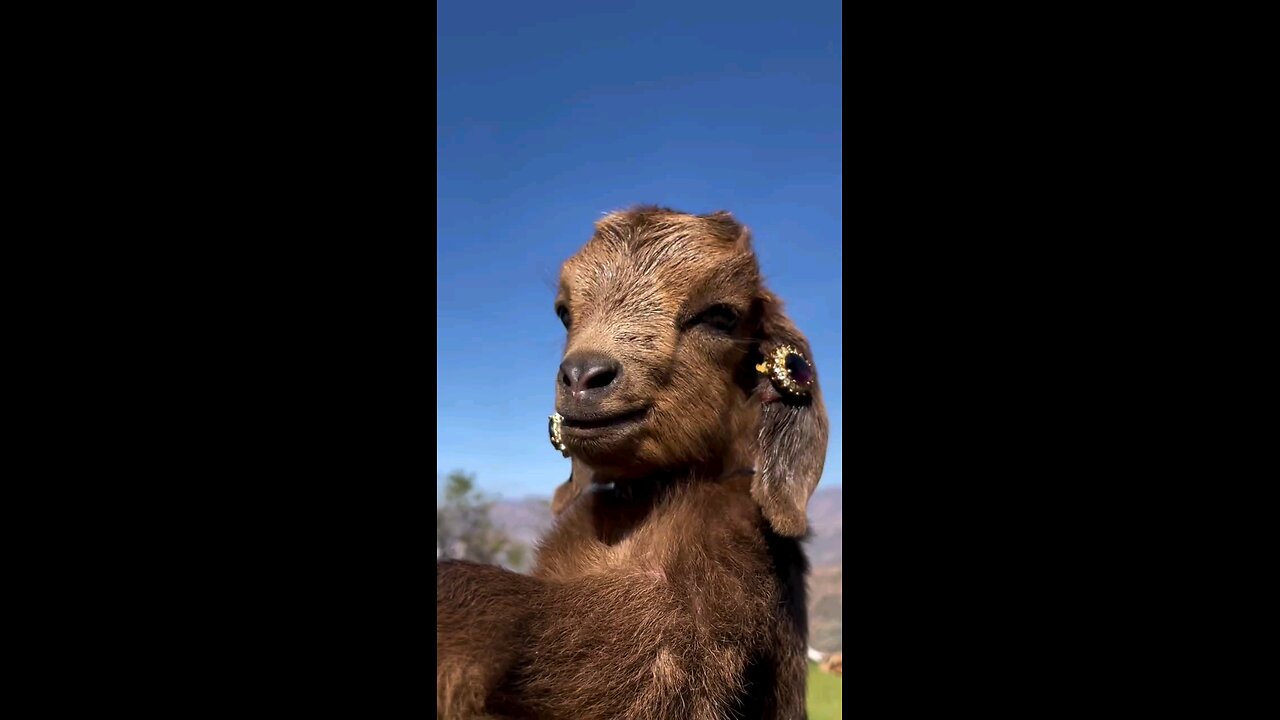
[(549, 115)]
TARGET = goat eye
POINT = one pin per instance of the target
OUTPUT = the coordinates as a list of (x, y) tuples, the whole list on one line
[(563, 313), (720, 317)]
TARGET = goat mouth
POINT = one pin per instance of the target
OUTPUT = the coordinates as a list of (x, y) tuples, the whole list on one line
[(591, 424)]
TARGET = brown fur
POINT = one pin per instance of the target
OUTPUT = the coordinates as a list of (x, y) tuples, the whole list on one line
[(672, 585)]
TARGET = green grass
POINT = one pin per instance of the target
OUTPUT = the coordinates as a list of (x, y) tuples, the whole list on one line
[(825, 693)]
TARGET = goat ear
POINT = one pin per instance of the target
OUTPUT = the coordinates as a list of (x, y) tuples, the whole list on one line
[(569, 490), (792, 435)]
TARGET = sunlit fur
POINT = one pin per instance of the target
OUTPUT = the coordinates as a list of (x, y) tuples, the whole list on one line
[(629, 292)]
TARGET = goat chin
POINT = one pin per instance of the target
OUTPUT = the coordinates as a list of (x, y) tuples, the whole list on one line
[(672, 583)]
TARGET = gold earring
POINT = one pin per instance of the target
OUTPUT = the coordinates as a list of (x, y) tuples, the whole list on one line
[(789, 371), (553, 429)]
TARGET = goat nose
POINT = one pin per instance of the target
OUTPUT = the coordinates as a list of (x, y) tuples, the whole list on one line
[(580, 374)]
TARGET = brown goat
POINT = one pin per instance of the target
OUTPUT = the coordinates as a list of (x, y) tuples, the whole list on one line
[(672, 584)]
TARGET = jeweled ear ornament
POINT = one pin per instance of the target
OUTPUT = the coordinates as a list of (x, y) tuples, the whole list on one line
[(789, 371), (553, 428)]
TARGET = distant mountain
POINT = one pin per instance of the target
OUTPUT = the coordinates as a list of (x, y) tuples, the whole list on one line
[(826, 580), (826, 520), (525, 520), (826, 608)]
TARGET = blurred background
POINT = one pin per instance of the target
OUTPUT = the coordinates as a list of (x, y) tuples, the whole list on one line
[(552, 114)]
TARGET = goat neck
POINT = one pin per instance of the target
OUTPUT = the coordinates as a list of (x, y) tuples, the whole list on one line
[(619, 506)]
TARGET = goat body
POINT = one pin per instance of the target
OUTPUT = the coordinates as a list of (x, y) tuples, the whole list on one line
[(667, 600), (672, 584)]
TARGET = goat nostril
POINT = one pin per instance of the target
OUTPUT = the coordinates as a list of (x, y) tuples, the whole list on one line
[(599, 377), (569, 373), (588, 372)]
